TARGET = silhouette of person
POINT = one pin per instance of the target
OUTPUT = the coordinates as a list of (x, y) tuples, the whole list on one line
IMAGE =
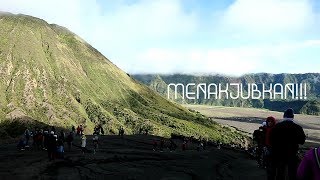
[(285, 138)]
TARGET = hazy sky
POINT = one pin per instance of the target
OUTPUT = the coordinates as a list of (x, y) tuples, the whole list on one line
[(191, 36)]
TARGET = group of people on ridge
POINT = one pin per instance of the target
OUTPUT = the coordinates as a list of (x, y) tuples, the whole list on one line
[(278, 146), (54, 143)]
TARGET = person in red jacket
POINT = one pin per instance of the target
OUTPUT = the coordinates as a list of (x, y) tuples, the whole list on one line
[(271, 122)]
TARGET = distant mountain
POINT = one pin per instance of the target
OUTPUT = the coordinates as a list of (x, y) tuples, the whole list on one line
[(308, 106), (51, 76)]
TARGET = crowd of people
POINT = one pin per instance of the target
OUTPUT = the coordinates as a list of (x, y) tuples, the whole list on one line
[(54, 143), (278, 147), (187, 143)]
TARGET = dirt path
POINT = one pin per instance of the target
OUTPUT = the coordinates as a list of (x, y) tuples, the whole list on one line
[(128, 158), (249, 119)]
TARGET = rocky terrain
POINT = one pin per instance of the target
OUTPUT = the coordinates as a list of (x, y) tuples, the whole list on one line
[(129, 158)]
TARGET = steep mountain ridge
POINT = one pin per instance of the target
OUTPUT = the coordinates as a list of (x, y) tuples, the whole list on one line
[(51, 76), (308, 106)]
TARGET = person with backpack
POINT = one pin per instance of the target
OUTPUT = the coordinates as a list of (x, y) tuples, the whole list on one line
[(285, 138), (259, 136), (309, 167)]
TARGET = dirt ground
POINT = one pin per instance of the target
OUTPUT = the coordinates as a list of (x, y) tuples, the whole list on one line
[(249, 119), (129, 158)]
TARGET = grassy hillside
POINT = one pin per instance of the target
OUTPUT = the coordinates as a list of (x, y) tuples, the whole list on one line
[(309, 106), (51, 76)]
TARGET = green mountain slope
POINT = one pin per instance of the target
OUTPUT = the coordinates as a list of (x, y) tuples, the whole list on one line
[(50, 75), (309, 106)]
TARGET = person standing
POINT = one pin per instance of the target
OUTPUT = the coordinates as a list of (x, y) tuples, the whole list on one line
[(27, 136), (78, 130), (52, 146), (285, 138), (73, 129), (60, 148), (83, 143), (95, 144), (81, 129), (271, 122), (62, 136), (259, 136), (70, 140)]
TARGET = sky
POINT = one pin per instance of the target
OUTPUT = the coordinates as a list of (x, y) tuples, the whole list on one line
[(232, 37)]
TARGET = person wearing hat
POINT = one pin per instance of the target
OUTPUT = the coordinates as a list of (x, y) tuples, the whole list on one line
[(285, 138)]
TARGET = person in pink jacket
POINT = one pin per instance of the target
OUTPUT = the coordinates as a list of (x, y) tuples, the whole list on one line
[(309, 167)]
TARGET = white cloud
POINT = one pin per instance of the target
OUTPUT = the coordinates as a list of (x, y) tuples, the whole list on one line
[(312, 43), (233, 61), (65, 13), (269, 17), (141, 25), (125, 28), (145, 36)]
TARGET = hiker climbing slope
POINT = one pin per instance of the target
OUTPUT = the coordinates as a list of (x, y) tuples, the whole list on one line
[(285, 139)]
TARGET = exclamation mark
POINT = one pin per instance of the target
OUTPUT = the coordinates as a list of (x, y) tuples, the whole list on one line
[(305, 90), (297, 85), (300, 90)]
